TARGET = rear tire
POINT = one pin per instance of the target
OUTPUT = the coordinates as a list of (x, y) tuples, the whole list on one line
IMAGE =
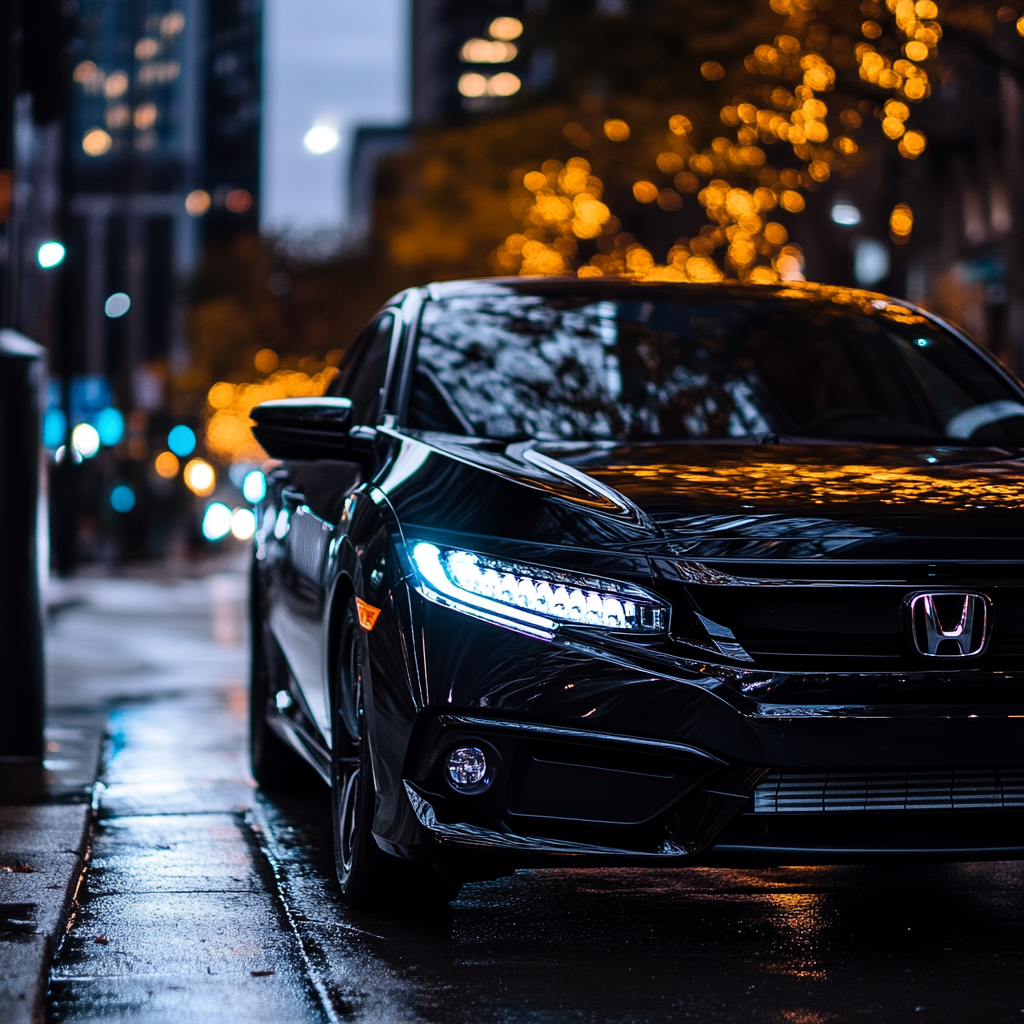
[(274, 764), (370, 879)]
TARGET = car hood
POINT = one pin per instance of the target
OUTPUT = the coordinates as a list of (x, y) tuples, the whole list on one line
[(729, 500), (807, 500)]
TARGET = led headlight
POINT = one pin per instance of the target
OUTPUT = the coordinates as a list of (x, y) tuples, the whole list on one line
[(533, 596)]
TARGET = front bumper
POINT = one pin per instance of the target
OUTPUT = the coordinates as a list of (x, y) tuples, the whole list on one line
[(579, 731)]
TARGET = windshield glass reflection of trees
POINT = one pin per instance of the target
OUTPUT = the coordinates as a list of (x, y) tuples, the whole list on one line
[(514, 366)]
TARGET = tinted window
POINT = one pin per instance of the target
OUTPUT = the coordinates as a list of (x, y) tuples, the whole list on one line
[(363, 381), (512, 365)]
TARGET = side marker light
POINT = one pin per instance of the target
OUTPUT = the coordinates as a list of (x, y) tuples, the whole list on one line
[(367, 614)]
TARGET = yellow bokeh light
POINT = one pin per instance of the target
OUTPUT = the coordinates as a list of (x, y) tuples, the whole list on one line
[(669, 162), (221, 395), (266, 360), (703, 269), (898, 110), (228, 435), (506, 28), (473, 85), (791, 201), (487, 51), (901, 220), (912, 145), (166, 465), (504, 84), (96, 142), (145, 116), (679, 125), (616, 129), (670, 200), (712, 70), (645, 191), (197, 202), (146, 48), (893, 127), (916, 50), (116, 85), (200, 477)]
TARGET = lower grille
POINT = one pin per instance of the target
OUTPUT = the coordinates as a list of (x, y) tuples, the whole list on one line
[(939, 789)]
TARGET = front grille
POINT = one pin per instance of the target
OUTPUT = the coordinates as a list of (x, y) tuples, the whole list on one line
[(827, 645), (939, 789)]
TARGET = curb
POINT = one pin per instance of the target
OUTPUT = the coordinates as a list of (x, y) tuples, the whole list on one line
[(43, 855)]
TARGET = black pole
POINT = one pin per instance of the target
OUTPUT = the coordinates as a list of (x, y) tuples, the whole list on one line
[(21, 632)]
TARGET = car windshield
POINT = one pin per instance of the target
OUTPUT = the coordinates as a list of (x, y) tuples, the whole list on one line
[(513, 365)]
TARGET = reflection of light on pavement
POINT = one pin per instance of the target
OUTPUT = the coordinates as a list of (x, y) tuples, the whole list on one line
[(799, 920)]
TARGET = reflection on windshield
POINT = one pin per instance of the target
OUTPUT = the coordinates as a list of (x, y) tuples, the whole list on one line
[(511, 365)]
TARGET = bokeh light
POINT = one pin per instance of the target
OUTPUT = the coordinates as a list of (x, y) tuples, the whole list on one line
[(85, 439), (122, 498), (254, 486), (110, 426), (238, 201), (181, 440), (197, 202), (243, 523), (266, 360), (96, 142), (50, 254), (216, 521), (616, 129), (321, 138), (166, 465), (200, 477), (506, 28), (117, 305)]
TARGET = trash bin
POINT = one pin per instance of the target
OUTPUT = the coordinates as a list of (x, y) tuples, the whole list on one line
[(21, 627)]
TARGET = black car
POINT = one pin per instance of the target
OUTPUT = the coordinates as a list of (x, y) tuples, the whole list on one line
[(592, 572)]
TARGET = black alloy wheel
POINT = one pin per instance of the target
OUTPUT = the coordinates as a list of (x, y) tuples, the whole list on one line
[(369, 878), (274, 764)]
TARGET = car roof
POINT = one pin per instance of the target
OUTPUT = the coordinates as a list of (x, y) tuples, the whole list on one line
[(607, 286)]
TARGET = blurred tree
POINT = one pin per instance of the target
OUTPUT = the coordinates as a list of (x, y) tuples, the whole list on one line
[(679, 139)]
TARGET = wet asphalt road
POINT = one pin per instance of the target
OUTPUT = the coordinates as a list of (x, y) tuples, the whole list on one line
[(206, 902)]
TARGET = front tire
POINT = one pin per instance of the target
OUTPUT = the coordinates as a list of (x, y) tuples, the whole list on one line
[(370, 879)]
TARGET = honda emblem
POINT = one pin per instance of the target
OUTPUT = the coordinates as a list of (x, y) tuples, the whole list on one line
[(948, 625)]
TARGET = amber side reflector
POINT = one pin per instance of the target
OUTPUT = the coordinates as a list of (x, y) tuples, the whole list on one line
[(367, 614)]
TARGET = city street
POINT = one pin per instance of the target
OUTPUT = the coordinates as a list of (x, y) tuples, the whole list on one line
[(204, 901)]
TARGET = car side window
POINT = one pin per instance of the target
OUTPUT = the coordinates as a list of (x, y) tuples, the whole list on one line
[(365, 379)]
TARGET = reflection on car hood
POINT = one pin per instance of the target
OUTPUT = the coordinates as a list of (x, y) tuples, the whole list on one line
[(807, 500), (735, 500)]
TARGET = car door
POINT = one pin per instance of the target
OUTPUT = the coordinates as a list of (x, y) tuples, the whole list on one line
[(312, 497)]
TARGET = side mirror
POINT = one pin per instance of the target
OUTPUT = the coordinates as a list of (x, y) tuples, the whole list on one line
[(311, 428)]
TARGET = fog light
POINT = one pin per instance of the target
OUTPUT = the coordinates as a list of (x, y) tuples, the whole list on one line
[(467, 766)]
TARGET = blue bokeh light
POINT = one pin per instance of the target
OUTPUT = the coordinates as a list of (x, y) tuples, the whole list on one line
[(55, 428), (181, 440), (254, 487), (122, 498), (50, 254), (110, 425)]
